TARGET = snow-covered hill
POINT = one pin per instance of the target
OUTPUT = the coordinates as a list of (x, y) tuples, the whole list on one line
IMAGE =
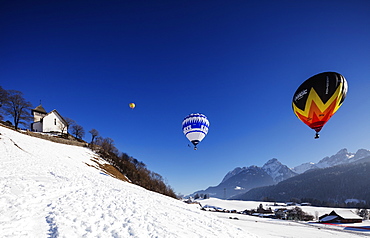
[(55, 190), (48, 190)]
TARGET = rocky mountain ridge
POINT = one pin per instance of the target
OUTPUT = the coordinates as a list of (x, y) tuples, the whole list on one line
[(242, 179), (344, 185), (341, 157)]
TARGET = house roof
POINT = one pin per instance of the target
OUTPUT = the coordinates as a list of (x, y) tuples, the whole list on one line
[(328, 218), (39, 108), (345, 214), (56, 112)]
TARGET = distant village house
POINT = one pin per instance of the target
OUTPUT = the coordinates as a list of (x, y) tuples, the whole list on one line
[(340, 216), (48, 122)]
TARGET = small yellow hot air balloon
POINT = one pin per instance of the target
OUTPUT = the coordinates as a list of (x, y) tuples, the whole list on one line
[(132, 105)]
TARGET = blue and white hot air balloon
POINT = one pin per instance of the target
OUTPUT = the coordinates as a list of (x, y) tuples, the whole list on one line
[(195, 127)]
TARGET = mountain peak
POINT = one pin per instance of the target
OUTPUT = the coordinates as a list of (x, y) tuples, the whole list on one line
[(232, 173), (272, 161), (342, 151), (361, 153), (341, 157), (277, 170)]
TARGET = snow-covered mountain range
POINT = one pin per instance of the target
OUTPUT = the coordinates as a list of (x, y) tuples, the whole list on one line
[(273, 168), (342, 157), (242, 179)]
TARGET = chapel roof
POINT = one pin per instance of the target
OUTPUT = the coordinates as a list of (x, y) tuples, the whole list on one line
[(39, 108)]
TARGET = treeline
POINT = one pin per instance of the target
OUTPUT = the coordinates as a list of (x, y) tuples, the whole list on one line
[(320, 203), (333, 203), (15, 106), (136, 171)]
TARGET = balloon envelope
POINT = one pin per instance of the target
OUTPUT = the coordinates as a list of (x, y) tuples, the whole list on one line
[(195, 127), (318, 98), (132, 105)]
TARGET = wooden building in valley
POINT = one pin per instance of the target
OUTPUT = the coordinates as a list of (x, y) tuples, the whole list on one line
[(340, 216)]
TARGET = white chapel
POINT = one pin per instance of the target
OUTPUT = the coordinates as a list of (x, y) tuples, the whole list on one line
[(48, 122)]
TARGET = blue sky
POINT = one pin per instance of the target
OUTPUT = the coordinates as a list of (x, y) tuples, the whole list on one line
[(237, 62)]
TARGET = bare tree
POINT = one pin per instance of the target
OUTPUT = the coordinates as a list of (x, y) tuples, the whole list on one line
[(3, 96), (18, 108), (78, 131), (107, 144), (62, 127), (3, 99), (94, 133), (69, 122)]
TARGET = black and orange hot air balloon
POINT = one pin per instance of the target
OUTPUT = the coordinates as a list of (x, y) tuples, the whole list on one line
[(318, 98)]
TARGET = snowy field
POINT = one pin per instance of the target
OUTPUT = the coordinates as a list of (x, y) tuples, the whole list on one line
[(265, 227), (48, 190)]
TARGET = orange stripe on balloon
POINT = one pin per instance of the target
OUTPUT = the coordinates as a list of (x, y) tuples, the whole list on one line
[(316, 118)]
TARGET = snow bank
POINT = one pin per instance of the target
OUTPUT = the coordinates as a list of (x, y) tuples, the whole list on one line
[(47, 190)]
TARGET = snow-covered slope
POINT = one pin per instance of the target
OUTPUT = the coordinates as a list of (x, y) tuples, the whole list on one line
[(48, 190), (304, 167)]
